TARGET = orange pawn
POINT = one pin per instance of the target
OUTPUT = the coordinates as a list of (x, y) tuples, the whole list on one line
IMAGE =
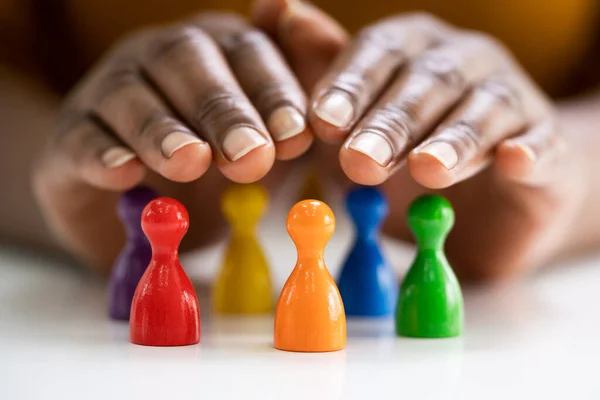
[(310, 313)]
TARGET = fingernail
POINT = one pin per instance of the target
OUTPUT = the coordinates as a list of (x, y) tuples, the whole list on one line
[(241, 141), (523, 147), (374, 146), (336, 109), (117, 156), (175, 141), (444, 152), (285, 122)]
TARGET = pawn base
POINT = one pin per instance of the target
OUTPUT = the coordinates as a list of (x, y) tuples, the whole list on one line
[(309, 348), (165, 344)]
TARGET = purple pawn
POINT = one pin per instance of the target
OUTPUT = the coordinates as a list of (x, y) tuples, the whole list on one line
[(135, 256)]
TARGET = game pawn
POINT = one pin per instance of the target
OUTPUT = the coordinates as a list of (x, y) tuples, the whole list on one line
[(310, 314), (135, 256), (244, 284), (430, 304), (165, 309), (367, 283)]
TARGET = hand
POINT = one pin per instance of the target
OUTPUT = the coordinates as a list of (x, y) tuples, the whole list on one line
[(169, 100), (421, 106)]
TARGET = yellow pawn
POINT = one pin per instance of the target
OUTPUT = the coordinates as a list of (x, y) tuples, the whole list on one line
[(244, 284)]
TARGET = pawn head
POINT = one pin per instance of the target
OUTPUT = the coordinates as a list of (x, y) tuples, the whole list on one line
[(310, 224), (430, 218), (367, 206), (132, 203), (243, 205), (165, 221)]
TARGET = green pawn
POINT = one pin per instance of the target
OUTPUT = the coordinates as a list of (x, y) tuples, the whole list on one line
[(430, 304)]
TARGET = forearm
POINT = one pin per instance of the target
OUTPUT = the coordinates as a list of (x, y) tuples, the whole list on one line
[(580, 119)]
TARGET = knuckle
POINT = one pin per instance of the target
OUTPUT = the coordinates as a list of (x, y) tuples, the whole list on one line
[(176, 38), (118, 79), (361, 75), (487, 43), (463, 136), (404, 34), (219, 107), (442, 67), (273, 94), (214, 21), (74, 130), (384, 39), (492, 42), (423, 18), (397, 121), (244, 43), (503, 90), (424, 22), (546, 136), (158, 124), (420, 18), (352, 85)]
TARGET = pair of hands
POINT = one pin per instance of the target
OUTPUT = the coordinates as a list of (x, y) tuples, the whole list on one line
[(416, 105)]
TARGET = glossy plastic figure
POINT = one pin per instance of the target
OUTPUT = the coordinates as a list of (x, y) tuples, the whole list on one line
[(430, 304), (165, 308), (367, 283), (244, 284), (310, 314), (135, 256)]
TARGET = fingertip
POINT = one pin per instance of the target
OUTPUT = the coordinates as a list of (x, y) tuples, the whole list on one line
[(265, 14), (362, 169), (429, 171), (325, 131), (515, 160), (250, 167), (120, 177), (288, 129), (295, 146), (307, 23), (187, 163)]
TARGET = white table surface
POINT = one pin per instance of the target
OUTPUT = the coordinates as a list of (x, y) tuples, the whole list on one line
[(536, 339)]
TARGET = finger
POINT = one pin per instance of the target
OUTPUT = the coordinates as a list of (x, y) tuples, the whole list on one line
[(310, 38), (77, 183), (362, 70), (532, 158), (265, 78), (87, 152), (141, 120), (461, 146), (422, 94), (192, 73)]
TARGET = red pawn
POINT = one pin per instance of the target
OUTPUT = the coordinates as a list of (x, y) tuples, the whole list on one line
[(165, 311)]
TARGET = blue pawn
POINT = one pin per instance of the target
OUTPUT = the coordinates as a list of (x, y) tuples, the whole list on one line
[(368, 285)]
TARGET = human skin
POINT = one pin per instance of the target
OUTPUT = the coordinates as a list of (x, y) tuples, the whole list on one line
[(419, 106), (518, 182)]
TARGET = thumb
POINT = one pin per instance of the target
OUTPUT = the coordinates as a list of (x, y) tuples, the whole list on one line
[(309, 38)]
